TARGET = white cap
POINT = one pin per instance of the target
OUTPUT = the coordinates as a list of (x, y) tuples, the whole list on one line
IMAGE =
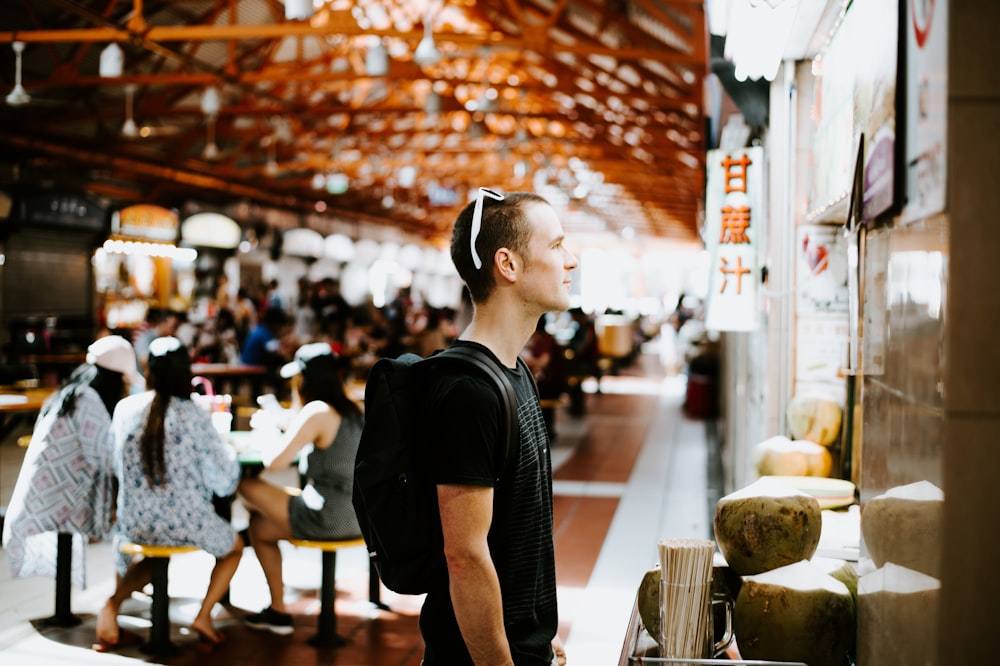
[(304, 355), (114, 352)]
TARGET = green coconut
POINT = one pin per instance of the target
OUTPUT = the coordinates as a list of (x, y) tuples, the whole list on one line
[(794, 613), (767, 525), (846, 573), (897, 617), (903, 526)]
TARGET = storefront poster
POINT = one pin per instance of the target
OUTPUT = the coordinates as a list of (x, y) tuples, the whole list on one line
[(926, 107), (821, 347), (734, 219), (875, 24), (821, 269), (856, 97)]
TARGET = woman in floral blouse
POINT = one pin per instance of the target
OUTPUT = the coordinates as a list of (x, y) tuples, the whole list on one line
[(169, 461)]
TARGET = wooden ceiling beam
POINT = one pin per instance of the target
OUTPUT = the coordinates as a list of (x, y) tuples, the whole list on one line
[(194, 33)]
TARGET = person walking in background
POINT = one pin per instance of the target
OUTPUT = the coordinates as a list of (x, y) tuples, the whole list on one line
[(159, 323), (66, 483), (270, 344), (326, 430), (545, 359), (497, 604), (170, 461)]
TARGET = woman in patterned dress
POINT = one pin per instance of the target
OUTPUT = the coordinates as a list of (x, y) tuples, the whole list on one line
[(65, 483), (329, 427), (169, 461)]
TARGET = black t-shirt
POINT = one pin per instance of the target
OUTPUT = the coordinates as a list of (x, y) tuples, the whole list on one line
[(464, 415)]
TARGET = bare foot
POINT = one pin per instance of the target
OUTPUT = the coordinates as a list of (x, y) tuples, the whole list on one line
[(206, 631), (107, 626)]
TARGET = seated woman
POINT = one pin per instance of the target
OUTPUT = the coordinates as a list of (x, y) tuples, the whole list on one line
[(169, 461), (331, 422), (66, 483)]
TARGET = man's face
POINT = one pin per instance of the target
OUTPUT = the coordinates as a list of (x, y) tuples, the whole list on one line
[(548, 264)]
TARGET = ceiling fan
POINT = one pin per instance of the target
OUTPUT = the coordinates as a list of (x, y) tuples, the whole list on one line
[(132, 130), (18, 96)]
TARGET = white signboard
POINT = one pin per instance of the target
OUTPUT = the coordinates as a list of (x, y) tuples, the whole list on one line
[(926, 107), (734, 219)]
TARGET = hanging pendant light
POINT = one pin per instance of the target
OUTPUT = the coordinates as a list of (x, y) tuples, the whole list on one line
[(377, 58), (211, 102), (427, 53), (112, 62), (298, 10)]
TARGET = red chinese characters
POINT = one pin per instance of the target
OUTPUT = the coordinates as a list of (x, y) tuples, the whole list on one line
[(734, 221)]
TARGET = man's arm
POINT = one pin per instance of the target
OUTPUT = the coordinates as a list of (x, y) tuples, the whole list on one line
[(466, 515)]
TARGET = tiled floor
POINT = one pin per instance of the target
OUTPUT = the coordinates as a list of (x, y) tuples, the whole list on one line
[(632, 471)]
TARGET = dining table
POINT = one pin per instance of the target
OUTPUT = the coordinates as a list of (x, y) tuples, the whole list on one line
[(231, 378), (18, 403)]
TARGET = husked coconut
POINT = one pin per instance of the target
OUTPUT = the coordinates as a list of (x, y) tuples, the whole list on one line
[(841, 570), (815, 418), (903, 526), (766, 525), (847, 574), (795, 613), (780, 456), (897, 617)]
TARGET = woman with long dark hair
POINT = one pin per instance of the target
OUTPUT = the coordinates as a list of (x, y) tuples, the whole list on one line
[(170, 461), (66, 483), (329, 427)]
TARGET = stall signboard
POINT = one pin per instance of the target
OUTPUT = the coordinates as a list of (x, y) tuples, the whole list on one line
[(63, 211), (926, 107), (146, 222), (734, 219)]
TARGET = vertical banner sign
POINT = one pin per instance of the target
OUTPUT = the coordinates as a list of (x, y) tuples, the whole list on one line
[(734, 219)]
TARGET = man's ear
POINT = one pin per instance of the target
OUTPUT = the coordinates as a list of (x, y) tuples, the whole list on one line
[(507, 263)]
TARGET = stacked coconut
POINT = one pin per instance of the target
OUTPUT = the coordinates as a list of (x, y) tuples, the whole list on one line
[(898, 600), (813, 425), (789, 607)]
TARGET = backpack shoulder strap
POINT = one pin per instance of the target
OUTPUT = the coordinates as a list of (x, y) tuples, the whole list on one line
[(508, 398)]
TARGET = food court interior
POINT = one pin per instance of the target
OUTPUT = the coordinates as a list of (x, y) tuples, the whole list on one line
[(764, 214)]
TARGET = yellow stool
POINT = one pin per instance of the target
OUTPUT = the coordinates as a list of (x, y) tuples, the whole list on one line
[(159, 642), (327, 636)]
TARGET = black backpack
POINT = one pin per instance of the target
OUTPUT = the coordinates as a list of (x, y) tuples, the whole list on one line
[(397, 508)]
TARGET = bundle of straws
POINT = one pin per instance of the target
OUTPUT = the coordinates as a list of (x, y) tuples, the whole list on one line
[(685, 596)]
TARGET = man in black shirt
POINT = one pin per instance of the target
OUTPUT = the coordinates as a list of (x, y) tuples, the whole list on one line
[(498, 603)]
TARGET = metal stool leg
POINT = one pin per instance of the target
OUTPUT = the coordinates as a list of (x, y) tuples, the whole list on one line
[(375, 587), (64, 582), (327, 635), (159, 631)]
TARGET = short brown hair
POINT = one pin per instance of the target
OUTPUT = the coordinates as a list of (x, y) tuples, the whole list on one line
[(503, 225)]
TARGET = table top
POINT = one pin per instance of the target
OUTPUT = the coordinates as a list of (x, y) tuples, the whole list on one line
[(226, 370), (27, 400), (248, 445)]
